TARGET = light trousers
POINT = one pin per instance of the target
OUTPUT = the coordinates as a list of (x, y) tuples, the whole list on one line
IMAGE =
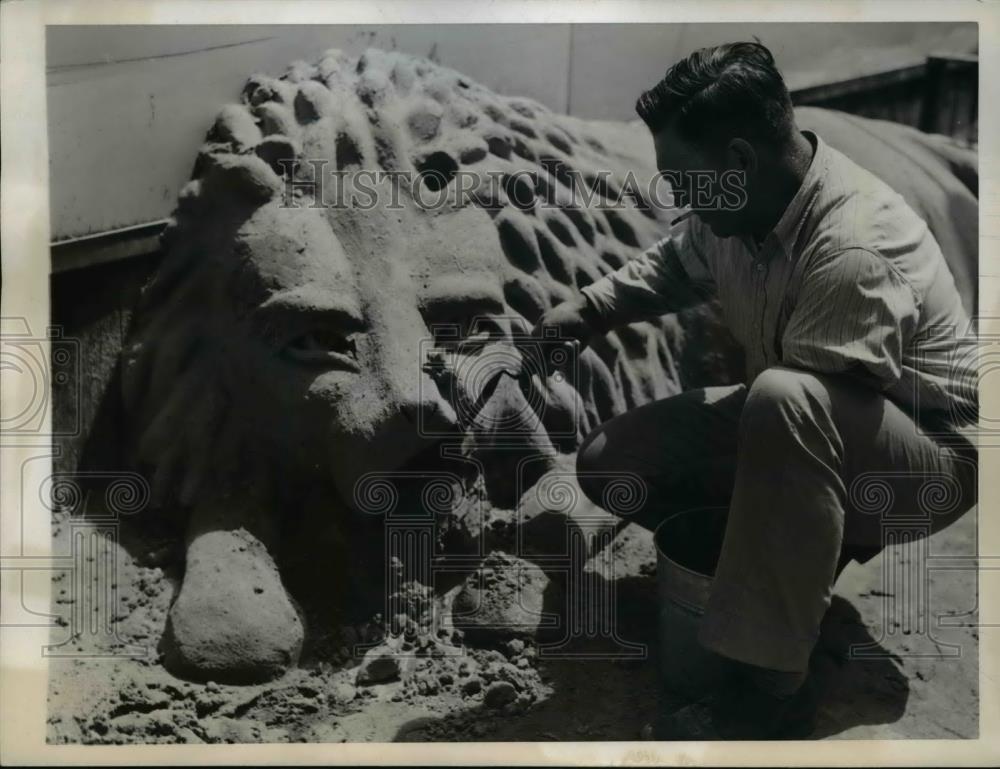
[(815, 469)]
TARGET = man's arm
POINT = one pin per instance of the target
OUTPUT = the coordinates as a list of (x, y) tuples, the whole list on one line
[(668, 276), (854, 315)]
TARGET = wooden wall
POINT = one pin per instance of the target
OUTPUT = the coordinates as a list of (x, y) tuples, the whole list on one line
[(93, 306)]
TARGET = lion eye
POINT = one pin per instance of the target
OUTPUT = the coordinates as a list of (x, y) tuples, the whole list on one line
[(321, 346)]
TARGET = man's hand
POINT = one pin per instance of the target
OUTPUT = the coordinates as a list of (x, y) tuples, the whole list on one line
[(574, 318)]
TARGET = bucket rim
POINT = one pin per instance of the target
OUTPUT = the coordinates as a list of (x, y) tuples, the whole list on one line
[(660, 527)]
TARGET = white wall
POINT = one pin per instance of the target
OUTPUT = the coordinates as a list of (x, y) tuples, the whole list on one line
[(128, 106)]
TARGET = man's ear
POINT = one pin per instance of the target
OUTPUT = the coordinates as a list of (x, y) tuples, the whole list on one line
[(741, 156)]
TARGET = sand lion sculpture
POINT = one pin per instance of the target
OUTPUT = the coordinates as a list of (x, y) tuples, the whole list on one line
[(284, 349)]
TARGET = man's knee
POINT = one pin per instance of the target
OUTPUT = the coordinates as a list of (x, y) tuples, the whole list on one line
[(781, 397)]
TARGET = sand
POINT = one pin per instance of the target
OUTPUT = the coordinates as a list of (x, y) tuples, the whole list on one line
[(452, 691)]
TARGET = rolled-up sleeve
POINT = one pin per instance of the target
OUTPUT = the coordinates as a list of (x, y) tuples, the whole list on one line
[(668, 276), (855, 314)]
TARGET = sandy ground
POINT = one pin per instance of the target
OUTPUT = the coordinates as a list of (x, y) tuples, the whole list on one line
[(917, 678)]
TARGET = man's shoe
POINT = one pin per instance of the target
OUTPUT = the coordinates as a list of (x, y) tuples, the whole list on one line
[(745, 712), (742, 712), (692, 722)]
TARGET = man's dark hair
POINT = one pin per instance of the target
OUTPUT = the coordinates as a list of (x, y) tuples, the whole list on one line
[(729, 90)]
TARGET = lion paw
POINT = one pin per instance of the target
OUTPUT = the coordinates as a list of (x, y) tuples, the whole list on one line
[(232, 621)]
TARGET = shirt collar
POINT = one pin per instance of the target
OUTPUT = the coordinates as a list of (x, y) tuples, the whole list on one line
[(786, 231)]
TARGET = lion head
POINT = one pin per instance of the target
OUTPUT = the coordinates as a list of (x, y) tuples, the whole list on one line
[(285, 334)]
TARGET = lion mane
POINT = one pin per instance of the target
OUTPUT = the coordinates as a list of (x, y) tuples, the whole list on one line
[(393, 112)]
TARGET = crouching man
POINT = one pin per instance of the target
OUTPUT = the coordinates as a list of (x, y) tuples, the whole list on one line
[(856, 378)]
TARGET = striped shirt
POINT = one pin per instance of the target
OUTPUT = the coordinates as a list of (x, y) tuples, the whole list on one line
[(849, 281)]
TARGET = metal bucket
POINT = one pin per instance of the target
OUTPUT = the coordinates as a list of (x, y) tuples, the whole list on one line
[(687, 550)]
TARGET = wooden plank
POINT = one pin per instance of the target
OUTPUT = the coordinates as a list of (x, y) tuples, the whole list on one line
[(113, 246), (820, 94)]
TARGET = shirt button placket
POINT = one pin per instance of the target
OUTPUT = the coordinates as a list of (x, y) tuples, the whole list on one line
[(760, 269)]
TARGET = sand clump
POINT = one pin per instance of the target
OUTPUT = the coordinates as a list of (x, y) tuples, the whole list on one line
[(505, 598)]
